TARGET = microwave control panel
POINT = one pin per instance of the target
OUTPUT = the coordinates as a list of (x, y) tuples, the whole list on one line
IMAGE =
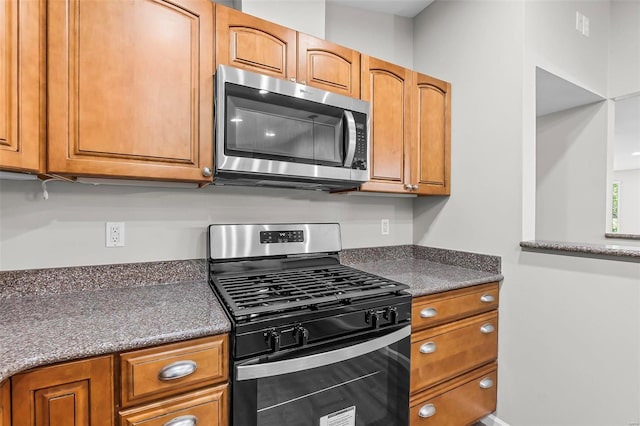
[(361, 155)]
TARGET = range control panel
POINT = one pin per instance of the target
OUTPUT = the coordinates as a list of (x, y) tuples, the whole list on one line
[(271, 237)]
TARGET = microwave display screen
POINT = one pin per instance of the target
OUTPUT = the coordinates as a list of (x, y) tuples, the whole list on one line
[(260, 124)]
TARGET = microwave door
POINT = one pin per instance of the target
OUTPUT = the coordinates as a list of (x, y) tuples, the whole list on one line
[(350, 139)]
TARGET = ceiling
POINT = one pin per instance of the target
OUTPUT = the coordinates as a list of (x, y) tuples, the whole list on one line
[(555, 94), (406, 8)]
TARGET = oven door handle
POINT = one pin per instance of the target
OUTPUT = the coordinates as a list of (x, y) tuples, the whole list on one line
[(258, 371)]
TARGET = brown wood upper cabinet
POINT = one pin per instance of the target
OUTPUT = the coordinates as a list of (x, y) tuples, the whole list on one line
[(130, 89), (5, 404), (410, 130), (22, 97), (75, 393), (431, 148), (246, 42), (388, 87), (328, 66)]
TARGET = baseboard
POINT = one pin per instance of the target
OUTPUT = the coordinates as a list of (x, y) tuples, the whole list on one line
[(492, 420)]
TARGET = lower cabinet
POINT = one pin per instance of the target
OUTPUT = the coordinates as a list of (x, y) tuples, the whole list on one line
[(74, 393), (206, 407), (454, 348), (177, 384), (5, 404)]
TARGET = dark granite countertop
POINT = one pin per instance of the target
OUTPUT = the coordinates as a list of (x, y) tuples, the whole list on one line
[(38, 330), (605, 251), (54, 315), (424, 277)]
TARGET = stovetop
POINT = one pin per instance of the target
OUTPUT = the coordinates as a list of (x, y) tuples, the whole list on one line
[(248, 295)]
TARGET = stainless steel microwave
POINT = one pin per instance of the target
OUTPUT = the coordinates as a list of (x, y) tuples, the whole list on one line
[(272, 132)]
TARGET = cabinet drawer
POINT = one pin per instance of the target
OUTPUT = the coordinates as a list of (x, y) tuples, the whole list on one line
[(435, 309), (459, 402), (207, 407), (170, 369), (440, 353)]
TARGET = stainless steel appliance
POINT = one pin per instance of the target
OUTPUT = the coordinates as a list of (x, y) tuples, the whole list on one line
[(272, 132), (313, 342)]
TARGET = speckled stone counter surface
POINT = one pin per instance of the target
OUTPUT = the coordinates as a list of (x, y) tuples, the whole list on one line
[(44, 329), (623, 236), (609, 251), (415, 266)]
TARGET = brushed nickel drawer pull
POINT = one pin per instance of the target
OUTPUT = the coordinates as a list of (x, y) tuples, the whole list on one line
[(183, 421), (427, 411), (177, 370), (487, 298), (486, 383), (428, 313), (487, 328), (428, 348)]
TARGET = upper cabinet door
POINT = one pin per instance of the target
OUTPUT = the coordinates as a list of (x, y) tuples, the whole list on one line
[(131, 88), (251, 43), (328, 66), (22, 37), (431, 157), (388, 88)]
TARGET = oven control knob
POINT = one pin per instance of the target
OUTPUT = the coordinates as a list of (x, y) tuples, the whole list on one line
[(301, 335), (391, 314), (372, 317), (273, 339)]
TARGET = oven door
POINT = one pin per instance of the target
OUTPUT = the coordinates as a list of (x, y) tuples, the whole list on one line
[(353, 382)]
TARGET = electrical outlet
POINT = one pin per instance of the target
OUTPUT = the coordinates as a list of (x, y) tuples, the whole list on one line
[(114, 235), (384, 227)]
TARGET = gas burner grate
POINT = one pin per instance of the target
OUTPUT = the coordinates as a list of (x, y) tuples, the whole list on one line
[(259, 293)]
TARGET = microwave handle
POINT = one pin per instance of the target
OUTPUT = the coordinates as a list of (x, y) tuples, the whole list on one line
[(351, 134)]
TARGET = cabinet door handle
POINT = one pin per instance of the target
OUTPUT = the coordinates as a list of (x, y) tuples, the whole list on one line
[(427, 410), (206, 172), (428, 348), (177, 370), (486, 383), (414, 187), (487, 298), (487, 328), (428, 313), (293, 79), (408, 187), (183, 421)]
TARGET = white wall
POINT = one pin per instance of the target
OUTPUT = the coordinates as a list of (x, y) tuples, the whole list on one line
[(569, 327), (377, 34), (571, 174), (170, 224), (629, 201), (306, 16), (624, 49)]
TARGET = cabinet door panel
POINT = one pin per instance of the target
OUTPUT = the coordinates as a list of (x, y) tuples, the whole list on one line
[(75, 393), (22, 85), (5, 404), (387, 87), (451, 349), (431, 157), (205, 407), (244, 41), (461, 401), (131, 88), (328, 66)]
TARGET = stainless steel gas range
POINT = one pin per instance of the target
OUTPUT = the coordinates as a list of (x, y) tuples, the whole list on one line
[(313, 342)]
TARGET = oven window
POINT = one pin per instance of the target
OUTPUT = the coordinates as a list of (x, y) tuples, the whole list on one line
[(277, 127), (369, 390)]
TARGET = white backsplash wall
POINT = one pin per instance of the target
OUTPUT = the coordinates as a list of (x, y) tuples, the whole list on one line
[(170, 224)]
